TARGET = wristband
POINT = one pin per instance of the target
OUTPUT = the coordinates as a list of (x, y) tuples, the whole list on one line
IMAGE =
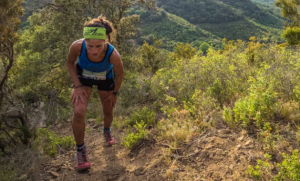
[(116, 93), (75, 87)]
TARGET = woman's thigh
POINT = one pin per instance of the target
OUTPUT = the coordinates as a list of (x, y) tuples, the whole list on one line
[(106, 104), (82, 106)]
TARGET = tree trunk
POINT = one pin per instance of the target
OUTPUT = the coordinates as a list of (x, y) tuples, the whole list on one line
[(7, 69)]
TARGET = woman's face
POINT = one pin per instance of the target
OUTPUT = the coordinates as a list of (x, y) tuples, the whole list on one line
[(94, 47)]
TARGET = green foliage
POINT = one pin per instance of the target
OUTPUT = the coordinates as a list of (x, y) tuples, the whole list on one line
[(292, 35), (219, 76), (290, 10), (133, 139), (268, 140), (200, 105), (151, 56), (258, 107), (7, 174), (298, 136), (143, 115), (204, 47), (170, 105), (228, 117), (184, 51), (135, 90), (289, 168), (49, 143), (261, 168)]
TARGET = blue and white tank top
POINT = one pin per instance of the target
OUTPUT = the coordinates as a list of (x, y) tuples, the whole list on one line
[(104, 66)]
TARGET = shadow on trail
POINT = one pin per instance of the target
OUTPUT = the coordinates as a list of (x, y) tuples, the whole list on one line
[(113, 170)]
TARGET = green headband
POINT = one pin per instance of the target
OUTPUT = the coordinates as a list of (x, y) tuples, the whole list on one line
[(94, 33)]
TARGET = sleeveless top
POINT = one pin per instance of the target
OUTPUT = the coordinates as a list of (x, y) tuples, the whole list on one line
[(104, 66)]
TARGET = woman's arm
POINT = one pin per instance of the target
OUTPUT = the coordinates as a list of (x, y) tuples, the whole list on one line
[(78, 91), (115, 59), (72, 56)]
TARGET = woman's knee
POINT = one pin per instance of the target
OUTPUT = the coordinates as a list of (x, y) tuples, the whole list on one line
[(79, 112), (107, 113)]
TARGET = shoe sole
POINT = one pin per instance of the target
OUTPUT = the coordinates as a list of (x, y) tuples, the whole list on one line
[(82, 169), (109, 145)]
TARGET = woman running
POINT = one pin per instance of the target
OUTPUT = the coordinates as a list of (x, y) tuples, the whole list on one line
[(97, 62)]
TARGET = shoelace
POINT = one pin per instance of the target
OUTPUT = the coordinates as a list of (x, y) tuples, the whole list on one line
[(108, 136), (82, 157)]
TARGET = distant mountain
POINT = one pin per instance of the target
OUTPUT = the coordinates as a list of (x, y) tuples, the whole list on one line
[(231, 19), (197, 21)]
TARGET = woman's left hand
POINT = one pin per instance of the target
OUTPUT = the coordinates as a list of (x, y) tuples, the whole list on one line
[(112, 100)]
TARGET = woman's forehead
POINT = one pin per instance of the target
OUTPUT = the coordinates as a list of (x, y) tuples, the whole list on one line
[(94, 42)]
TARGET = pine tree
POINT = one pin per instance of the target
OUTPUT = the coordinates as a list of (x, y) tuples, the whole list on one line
[(10, 10), (290, 10)]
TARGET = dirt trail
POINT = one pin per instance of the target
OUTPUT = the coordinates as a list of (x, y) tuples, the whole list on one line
[(214, 155), (108, 163)]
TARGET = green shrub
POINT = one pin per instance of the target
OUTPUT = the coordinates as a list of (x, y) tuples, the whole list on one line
[(220, 76), (261, 169), (48, 142), (228, 117), (7, 174), (204, 47), (258, 107), (292, 35), (268, 140), (133, 139), (200, 104), (289, 169), (145, 114)]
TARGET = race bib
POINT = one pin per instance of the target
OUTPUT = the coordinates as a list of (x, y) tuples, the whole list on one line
[(94, 75)]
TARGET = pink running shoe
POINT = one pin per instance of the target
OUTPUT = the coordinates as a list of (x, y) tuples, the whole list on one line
[(110, 140), (82, 162)]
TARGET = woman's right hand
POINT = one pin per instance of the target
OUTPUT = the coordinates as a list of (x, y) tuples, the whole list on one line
[(77, 95)]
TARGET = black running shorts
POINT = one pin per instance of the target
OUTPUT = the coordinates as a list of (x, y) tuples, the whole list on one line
[(102, 85)]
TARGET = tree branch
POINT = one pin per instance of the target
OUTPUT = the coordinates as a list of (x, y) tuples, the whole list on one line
[(9, 136)]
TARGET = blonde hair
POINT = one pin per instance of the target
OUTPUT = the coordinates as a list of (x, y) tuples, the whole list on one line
[(101, 21)]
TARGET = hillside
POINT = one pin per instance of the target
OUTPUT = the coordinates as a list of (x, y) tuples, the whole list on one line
[(200, 21), (171, 29), (222, 19)]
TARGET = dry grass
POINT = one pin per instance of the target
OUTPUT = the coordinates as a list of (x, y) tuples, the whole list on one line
[(26, 163)]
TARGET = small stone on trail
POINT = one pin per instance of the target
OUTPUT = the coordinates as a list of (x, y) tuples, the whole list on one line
[(238, 147), (96, 126), (59, 125), (122, 178), (54, 174), (248, 143), (224, 131), (91, 120), (58, 169), (23, 177), (138, 171), (69, 120), (241, 138)]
